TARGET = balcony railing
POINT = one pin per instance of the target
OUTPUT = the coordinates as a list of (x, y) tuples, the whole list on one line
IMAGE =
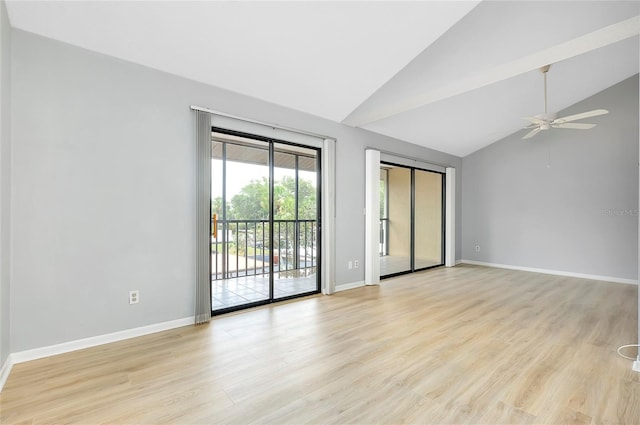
[(242, 247)]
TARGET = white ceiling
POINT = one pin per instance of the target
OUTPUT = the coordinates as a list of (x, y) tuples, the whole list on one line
[(450, 75)]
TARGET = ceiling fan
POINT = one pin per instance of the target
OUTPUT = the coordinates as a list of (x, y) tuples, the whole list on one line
[(550, 120)]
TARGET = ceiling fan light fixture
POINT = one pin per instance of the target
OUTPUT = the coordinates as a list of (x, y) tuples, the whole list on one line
[(548, 120)]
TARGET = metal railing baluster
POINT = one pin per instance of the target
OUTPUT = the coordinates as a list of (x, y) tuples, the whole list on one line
[(304, 230)]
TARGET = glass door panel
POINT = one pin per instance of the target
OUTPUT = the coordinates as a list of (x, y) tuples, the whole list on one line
[(295, 195), (428, 219), (240, 222), (398, 221)]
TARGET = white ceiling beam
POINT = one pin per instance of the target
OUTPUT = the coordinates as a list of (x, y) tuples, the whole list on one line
[(577, 46)]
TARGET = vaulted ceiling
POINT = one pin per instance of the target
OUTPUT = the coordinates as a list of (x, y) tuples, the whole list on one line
[(450, 75)]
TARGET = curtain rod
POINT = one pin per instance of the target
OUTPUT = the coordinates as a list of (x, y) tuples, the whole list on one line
[(266, 124), (409, 157)]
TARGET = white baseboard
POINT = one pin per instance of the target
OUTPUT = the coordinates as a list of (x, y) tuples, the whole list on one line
[(347, 286), (65, 347), (554, 272), (5, 370)]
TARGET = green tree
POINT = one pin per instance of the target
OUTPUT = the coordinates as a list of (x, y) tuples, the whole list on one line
[(252, 203), (216, 207)]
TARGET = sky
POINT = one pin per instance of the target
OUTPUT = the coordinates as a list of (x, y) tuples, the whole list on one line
[(240, 174)]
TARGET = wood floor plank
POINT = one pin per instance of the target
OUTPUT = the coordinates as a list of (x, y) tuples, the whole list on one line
[(469, 344)]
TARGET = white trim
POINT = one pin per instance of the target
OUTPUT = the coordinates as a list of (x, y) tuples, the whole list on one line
[(328, 230), (372, 217), (458, 262), (5, 371), (450, 218), (66, 347), (554, 272), (347, 286)]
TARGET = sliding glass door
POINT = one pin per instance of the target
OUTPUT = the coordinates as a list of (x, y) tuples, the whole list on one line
[(411, 225), (428, 224), (398, 221), (265, 221)]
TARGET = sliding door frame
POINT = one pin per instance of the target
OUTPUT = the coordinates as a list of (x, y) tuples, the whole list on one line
[(413, 169), (319, 189)]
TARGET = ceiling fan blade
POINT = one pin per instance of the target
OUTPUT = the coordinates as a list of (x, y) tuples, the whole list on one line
[(588, 114), (575, 125), (532, 133), (534, 120)]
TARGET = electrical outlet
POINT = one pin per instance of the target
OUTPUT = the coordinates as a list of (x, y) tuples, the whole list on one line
[(349, 265), (134, 297), (356, 264), (477, 248)]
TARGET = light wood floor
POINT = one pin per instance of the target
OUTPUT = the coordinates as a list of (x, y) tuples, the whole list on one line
[(465, 345)]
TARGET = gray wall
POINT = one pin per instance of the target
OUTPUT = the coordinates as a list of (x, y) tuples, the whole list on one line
[(565, 200), (103, 190), (5, 182)]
